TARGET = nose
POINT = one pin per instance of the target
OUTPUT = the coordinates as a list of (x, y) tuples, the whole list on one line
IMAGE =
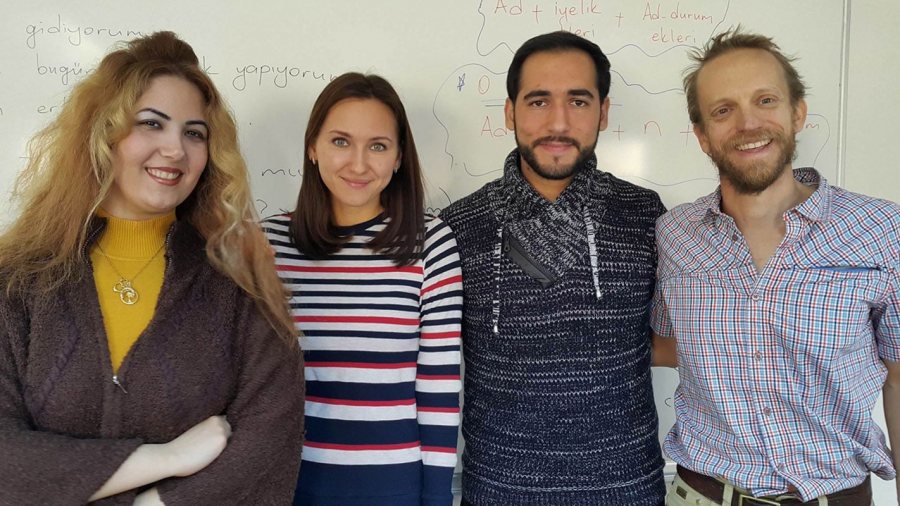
[(559, 118), (747, 118), (359, 163), (172, 146)]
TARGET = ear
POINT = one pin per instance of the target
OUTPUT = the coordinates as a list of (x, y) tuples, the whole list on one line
[(798, 115), (510, 113), (311, 153), (604, 114), (701, 137), (398, 162)]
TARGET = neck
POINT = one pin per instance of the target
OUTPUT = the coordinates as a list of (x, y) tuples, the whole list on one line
[(345, 216), (134, 238), (767, 207)]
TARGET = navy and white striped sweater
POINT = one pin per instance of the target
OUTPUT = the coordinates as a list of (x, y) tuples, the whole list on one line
[(382, 351), (558, 404)]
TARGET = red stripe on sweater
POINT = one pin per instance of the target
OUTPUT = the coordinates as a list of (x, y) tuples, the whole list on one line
[(439, 449), (351, 402), (440, 335), (433, 378), (335, 446), (443, 282), (435, 409)]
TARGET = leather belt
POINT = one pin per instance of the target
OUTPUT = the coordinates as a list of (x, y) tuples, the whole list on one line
[(714, 489)]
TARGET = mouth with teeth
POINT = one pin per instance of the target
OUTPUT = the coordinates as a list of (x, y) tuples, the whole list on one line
[(165, 175), (750, 146)]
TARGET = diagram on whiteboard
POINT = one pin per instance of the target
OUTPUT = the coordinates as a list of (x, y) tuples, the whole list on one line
[(649, 140)]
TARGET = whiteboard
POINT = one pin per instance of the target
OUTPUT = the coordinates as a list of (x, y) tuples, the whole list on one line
[(448, 60)]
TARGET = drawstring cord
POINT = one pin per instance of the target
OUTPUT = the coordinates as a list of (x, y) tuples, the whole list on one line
[(495, 307), (592, 250)]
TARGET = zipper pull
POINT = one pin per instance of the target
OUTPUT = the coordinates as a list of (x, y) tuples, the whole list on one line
[(116, 382)]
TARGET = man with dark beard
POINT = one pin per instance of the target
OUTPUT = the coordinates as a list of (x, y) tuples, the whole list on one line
[(558, 260), (783, 294)]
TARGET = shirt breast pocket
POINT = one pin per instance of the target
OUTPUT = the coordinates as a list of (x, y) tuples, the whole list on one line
[(826, 309)]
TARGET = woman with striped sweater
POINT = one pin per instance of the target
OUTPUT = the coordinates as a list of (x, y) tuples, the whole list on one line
[(377, 293)]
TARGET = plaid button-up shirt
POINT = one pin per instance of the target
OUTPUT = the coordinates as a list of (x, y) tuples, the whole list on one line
[(780, 369)]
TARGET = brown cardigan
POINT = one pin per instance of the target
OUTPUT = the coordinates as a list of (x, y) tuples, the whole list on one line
[(65, 427)]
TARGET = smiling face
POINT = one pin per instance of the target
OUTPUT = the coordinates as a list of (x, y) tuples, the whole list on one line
[(748, 123), (357, 152), (557, 115), (157, 166)]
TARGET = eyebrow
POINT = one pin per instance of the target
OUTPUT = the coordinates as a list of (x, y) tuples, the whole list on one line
[(169, 118), (578, 92), (774, 90), (581, 92), (157, 112), (347, 134)]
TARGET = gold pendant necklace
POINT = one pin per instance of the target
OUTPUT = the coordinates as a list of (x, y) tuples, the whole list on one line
[(125, 287)]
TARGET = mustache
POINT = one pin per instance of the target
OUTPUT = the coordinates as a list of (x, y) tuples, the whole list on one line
[(556, 138)]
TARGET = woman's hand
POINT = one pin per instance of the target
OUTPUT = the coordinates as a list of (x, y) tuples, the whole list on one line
[(190, 452), (198, 446)]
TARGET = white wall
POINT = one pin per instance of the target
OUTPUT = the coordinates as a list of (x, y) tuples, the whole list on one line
[(426, 47), (873, 117)]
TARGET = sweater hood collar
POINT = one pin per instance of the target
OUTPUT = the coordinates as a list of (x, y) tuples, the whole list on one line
[(515, 199), (550, 231)]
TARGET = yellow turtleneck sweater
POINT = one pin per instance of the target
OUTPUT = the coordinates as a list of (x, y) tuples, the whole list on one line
[(134, 250)]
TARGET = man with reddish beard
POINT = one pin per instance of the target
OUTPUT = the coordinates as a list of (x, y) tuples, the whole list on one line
[(558, 263), (783, 295)]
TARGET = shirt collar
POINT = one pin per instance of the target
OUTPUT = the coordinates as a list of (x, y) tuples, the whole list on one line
[(816, 208)]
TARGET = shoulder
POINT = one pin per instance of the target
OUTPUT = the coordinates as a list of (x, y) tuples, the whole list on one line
[(856, 207), (683, 226), (435, 225), (276, 227), (627, 191), (186, 246), (628, 202), (681, 215), (874, 219), (438, 235), (471, 206)]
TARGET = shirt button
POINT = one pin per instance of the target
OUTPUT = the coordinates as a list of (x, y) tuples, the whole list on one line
[(757, 356), (755, 296), (767, 411), (734, 237)]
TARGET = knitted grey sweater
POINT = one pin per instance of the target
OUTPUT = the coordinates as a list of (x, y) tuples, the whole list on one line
[(558, 399)]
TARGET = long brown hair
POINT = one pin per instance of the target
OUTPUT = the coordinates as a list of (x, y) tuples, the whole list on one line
[(69, 174), (312, 223)]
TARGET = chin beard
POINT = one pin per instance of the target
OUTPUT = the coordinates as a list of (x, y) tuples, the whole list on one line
[(755, 178), (561, 171)]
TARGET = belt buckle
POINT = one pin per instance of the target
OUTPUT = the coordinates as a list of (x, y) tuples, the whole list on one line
[(755, 501)]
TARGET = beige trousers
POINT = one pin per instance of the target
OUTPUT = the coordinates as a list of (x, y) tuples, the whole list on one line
[(681, 494)]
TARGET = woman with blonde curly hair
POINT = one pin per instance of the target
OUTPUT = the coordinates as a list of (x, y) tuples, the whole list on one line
[(146, 352)]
